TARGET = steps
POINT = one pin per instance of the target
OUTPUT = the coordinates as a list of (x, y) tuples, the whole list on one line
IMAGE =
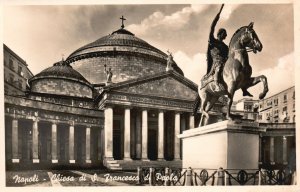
[(113, 165)]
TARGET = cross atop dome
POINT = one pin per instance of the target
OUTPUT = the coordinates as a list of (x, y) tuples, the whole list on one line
[(123, 19)]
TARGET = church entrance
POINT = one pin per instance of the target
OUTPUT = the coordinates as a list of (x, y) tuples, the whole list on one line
[(25, 127), (169, 122), (152, 135), (62, 142), (79, 144), (118, 136), (44, 141)]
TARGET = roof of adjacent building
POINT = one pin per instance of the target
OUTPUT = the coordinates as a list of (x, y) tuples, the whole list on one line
[(60, 70)]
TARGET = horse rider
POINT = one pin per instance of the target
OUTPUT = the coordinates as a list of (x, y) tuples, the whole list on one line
[(217, 54)]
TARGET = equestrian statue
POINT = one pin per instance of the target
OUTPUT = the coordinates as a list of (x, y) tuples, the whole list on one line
[(228, 69)]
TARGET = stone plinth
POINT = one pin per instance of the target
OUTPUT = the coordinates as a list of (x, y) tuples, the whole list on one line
[(227, 144)]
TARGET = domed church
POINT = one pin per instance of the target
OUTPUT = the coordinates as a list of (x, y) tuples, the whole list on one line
[(117, 102)]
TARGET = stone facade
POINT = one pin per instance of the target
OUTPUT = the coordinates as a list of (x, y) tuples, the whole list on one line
[(16, 73), (39, 134), (128, 56), (279, 107), (61, 87), (124, 67)]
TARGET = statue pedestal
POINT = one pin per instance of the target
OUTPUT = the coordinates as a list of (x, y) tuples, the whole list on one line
[(226, 144)]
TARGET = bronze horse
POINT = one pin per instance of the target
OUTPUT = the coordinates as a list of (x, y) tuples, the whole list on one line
[(236, 73)]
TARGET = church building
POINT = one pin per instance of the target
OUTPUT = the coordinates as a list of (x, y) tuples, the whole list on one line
[(117, 102)]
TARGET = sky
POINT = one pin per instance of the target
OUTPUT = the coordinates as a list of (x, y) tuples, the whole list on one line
[(43, 34)]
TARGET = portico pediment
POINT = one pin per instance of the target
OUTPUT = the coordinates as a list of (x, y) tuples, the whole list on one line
[(167, 85)]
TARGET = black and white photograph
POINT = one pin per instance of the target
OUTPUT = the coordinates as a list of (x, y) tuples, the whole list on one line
[(188, 94)]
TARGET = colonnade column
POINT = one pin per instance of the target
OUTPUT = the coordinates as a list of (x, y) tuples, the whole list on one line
[(71, 143), (284, 150), (35, 141), (54, 143), (272, 150), (127, 134), (88, 145), (176, 139), (191, 121), (160, 135), (108, 133), (15, 143), (144, 134)]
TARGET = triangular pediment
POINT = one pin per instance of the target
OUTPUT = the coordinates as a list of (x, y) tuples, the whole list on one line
[(166, 85)]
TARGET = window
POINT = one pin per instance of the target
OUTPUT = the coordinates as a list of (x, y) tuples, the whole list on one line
[(20, 83), (20, 70), (11, 78), (269, 103), (276, 101), (268, 116), (284, 108), (294, 95), (285, 98), (248, 107), (11, 64), (276, 113)]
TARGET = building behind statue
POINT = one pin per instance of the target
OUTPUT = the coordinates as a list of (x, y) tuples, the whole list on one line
[(70, 115), (276, 113)]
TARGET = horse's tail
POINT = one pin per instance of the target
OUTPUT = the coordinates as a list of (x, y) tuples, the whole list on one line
[(196, 105)]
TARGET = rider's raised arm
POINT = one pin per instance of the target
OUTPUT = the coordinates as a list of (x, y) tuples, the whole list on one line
[(213, 25)]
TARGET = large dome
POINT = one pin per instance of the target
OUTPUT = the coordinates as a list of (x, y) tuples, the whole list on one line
[(61, 79), (129, 57)]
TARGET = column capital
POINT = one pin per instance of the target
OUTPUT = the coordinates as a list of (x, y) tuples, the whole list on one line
[(145, 109), (54, 122), (284, 137), (178, 112), (36, 119), (109, 105), (71, 123)]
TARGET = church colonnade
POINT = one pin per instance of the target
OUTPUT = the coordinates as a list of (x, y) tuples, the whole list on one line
[(128, 134), (40, 141), (144, 134)]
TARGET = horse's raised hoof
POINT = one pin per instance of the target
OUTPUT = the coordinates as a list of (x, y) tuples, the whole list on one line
[(246, 93), (262, 95)]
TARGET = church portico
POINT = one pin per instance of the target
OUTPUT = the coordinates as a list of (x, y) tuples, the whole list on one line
[(143, 129), (143, 136)]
